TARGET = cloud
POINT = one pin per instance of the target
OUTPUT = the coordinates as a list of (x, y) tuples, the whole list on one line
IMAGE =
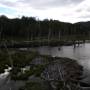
[(45, 4), (83, 9), (63, 10), (40, 3), (7, 3)]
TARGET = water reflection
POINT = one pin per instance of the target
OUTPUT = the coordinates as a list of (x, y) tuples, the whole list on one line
[(81, 54)]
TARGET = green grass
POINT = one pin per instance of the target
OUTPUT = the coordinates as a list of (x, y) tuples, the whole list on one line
[(35, 86)]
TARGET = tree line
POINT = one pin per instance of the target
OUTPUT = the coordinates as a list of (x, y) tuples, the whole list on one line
[(29, 28)]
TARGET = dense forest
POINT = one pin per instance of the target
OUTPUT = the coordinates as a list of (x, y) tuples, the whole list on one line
[(29, 28)]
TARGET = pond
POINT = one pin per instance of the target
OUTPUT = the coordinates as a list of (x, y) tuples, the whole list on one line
[(80, 53)]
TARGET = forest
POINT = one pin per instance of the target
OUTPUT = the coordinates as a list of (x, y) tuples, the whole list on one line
[(30, 28)]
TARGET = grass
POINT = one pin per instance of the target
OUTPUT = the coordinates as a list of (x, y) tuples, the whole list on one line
[(54, 41), (19, 59), (36, 86)]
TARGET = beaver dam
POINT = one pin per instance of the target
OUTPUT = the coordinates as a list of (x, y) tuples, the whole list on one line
[(32, 71)]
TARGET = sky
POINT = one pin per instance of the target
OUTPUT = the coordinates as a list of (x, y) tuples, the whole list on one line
[(63, 10)]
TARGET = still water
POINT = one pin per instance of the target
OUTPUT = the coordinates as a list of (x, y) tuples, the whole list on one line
[(81, 54)]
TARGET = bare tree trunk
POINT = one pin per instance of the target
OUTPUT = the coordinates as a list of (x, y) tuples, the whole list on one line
[(59, 35), (49, 34)]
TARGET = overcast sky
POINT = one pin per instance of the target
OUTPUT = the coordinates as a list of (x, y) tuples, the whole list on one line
[(63, 10)]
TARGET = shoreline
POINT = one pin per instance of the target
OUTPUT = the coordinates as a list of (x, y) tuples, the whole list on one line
[(39, 43), (40, 64)]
